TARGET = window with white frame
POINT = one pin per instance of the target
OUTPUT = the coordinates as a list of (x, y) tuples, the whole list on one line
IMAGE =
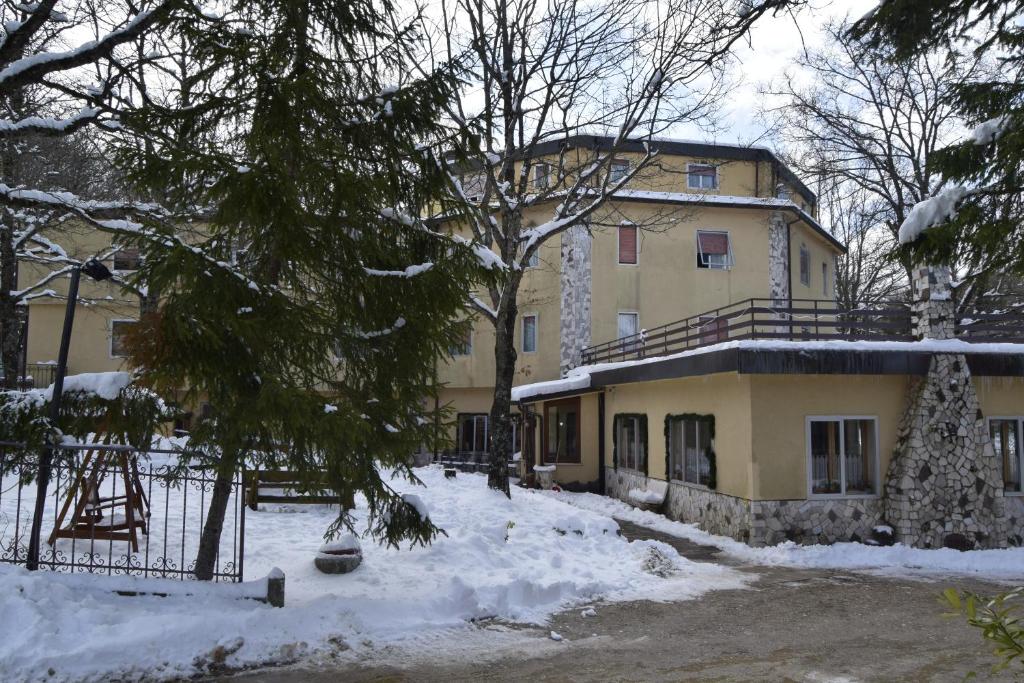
[(119, 331), (805, 265), (629, 327), (701, 176), (530, 333), (714, 249), (689, 448), (631, 441), (473, 432), (617, 170), (1006, 435), (628, 247), (842, 455), (541, 176)]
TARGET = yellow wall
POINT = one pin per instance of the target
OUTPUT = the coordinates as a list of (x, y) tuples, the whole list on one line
[(725, 395)]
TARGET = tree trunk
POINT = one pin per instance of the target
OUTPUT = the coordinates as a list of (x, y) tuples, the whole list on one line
[(501, 408), (10, 317), (209, 542)]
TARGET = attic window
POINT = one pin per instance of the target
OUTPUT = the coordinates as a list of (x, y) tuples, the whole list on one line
[(714, 250), (618, 170), (701, 177), (782, 192)]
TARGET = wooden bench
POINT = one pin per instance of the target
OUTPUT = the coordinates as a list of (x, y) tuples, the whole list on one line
[(281, 486)]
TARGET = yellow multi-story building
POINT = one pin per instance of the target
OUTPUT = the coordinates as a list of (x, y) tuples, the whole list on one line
[(702, 227)]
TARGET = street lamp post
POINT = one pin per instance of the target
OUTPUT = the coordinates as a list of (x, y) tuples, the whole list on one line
[(97, 271)]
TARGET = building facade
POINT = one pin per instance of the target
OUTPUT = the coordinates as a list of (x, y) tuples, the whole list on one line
[(704, 227)]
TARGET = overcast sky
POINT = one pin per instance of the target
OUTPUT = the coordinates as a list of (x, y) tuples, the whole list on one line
[(773, 46)]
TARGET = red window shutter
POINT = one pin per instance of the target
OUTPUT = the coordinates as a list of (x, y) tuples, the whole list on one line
[(714, 243), (627, 244)]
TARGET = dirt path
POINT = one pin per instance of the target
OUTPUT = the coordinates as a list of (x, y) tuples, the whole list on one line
[(789, 625)]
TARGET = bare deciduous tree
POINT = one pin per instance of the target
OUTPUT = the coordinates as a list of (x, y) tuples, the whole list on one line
[(548, 71)]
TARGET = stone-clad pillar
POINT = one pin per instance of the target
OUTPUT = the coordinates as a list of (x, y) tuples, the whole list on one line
[(944, 485), (778, 260), (575, 296)]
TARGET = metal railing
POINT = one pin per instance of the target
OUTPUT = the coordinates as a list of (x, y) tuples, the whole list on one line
[(802, 320), (104, 531)]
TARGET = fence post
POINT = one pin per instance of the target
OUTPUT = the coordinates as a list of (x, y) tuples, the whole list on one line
[(275, 588)]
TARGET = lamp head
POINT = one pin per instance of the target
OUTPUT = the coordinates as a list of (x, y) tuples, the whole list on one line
[(96, 270)]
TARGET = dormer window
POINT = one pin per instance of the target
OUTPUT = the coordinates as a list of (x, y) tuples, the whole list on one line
[(713, 250), (701, 177)]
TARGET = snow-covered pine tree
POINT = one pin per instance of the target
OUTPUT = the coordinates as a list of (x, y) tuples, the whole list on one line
[(309, 305), (978, 216)]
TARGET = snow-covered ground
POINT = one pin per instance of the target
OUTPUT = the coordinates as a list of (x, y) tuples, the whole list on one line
[(1003, 564), (515, 560)]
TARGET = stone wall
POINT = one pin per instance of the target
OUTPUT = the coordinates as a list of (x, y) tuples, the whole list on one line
[(944, 485), (770, 522), (574, 330), (778, 260)]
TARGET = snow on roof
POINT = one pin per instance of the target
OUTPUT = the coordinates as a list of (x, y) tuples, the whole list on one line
[(580, 378)]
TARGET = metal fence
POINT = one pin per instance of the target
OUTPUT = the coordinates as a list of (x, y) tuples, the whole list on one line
[(120, 512)]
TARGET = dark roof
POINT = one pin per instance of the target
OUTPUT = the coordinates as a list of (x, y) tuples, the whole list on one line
[(687, 148)]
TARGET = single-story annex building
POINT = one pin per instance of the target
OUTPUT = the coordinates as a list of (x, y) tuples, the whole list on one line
[(754, 432)]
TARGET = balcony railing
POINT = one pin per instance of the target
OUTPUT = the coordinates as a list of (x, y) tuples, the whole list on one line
[(803, 320)]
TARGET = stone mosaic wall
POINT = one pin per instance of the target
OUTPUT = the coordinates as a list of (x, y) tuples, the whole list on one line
[(944, 484), (778, 260), (575, 296), (764, 522)]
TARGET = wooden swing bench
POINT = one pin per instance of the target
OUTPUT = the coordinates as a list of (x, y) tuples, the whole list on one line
[(89, 521)]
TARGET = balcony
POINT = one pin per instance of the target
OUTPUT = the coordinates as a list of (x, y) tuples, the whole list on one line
[(805, 320)]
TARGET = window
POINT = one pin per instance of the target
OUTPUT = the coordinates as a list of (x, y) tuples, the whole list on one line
[(541, 176), (843, 455), (529, 333), (534, 260), (689, 448), (629, 327), (782, 192), (127, 259), (463, 348), (474, 185), (562, 431), (631, 442), (701, 177), (119, 329), (713, 250), (627, 244), (805, 265), (1006, 434), (617, 170), (472, 436), (824, 279)]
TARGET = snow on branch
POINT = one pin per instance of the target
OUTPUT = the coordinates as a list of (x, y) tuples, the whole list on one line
[(411, 271), (48, 126), (399, 324), (987, 132), (483, 307), (931, 212), (33, 67)]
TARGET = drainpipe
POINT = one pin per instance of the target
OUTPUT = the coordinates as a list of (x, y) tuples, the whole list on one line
[(600, 444)]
